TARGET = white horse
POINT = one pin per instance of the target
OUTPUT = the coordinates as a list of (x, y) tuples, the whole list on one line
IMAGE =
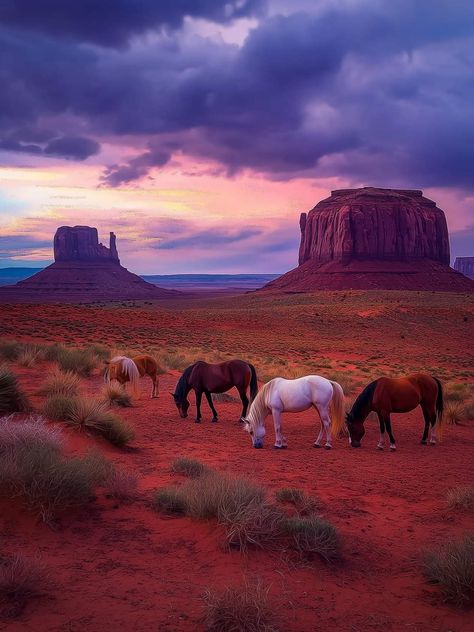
[(281, 395)]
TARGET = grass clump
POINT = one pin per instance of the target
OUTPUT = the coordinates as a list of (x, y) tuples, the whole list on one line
[(296, 497), (59, 407), (29, 355), (34, 469), (80, 361), (21, 578), (312, 535), (122, 485), (189, 467), (117, 396), (453, 569), (454, 412), (10, 350), (93, 414), (61, 383), (461, 498), (169, 500), (239, 609), (12, 399)]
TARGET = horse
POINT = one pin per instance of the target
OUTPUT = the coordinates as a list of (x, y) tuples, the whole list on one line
[(125, 370), (206, 378), (397, 395), (280, 395)]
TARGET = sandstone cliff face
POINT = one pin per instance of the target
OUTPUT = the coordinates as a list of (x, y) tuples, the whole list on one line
[(81, 243), (465, 265), (374, 224)]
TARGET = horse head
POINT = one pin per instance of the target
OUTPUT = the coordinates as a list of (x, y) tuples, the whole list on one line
[(356, 430), (257, 434), (182, 404)]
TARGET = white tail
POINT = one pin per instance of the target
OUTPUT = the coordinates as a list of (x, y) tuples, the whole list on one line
[(337, 408)]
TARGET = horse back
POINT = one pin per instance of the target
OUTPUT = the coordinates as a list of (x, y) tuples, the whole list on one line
[(403, 394), (220, 377), (146, 364)]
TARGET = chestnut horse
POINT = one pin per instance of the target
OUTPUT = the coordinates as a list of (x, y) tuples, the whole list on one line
[(125, 370), (206, 379), (397, 395)]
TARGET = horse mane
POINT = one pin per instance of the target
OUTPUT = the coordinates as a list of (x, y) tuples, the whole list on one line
[(256, 413), (180, 391), (129, 368), (364, 398)]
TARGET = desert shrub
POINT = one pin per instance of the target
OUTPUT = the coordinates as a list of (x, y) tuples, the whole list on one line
[(101, 351), (255, 524), (461, 497), (61, 383), (122, 485), (117, 396), (242, 609), (169, 500), (29, 355), (12, 399), (189, 467), (453, 412), (10, 349), (21, 578), (34, 469), (456, 392), (346, 380), (80, 361), (93, 414), (52, 352), (58, 407), (303, 503), (312, 535), (175, 360), (453, 569)]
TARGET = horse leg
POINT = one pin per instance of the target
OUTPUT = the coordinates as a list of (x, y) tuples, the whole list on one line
[(426, 417), (317, 443), (245, 403), (155, 386), (388, 425), (198, 406), (382, 432), (280, 441), (211, 405), (326, 420), (432, 420)]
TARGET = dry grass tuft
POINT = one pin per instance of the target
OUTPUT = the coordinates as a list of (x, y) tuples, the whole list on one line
[(312, 535), (242, 609), (94, 415), (12, 399), (117, 396), (453, 569), (122, 485), (296, 497), (58, 407), (454, 412), (21, 578), (80, 361), (64, 383), (29, 355), (461, 498), (189, 467), (169, 500)]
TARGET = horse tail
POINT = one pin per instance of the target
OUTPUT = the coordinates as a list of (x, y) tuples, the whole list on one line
[(253, 382), (439, 406), (131, 371), (337, 408)]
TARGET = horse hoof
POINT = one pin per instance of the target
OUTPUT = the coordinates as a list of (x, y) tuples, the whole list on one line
[(393, 448), (432, 442), (280, 447), (316, 445), (197, 421), (214, 420), (380, 447), (328, 447), (423, 442)]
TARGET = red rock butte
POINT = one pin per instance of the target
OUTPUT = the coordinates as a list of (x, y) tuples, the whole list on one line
[(373, 238), (84, 270)]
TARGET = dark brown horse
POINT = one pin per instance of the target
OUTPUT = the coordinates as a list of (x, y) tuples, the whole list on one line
[(123, 370), (206, 379), (397, 395)]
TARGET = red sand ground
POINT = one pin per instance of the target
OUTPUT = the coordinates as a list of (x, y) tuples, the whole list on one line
[(124, 565)]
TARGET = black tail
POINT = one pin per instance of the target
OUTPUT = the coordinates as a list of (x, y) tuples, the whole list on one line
[(439, 402), (253, 383)]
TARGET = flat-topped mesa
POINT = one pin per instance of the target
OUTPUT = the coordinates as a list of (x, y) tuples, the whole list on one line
[(465, 265), (374, 224), (81, 243)]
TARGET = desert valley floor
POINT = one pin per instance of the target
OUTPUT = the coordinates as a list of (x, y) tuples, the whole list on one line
[(117, 564)]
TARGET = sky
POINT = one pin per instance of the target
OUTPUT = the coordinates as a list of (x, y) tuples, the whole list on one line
[(198, 130)]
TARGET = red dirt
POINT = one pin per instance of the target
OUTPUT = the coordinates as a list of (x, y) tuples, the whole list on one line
[(123, 565)]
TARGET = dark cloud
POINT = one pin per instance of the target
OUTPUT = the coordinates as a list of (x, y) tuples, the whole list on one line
[(68, 147), (374, 92), (114, 22), (20, 244), (214, 237)]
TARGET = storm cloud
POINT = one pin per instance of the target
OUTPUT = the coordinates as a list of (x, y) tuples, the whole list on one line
[(374, 92)]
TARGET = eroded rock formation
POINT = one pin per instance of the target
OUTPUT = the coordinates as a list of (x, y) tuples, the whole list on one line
[(373, 238), (465, 265), (84, 270)]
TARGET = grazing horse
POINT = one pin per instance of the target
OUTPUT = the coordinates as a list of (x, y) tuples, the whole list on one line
[(397, 395), (280, 395), (125, 370), (206, 378)]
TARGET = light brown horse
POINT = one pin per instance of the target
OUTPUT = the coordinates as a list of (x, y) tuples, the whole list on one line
[(123, 370), (397, 395)]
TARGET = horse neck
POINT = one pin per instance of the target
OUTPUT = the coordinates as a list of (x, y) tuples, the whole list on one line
[(259, 407), (183, 387)]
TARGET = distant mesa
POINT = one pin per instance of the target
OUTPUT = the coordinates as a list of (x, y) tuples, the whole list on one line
[(373, 238), (84, 270), (465, 265)]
